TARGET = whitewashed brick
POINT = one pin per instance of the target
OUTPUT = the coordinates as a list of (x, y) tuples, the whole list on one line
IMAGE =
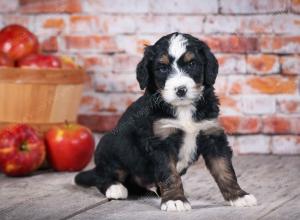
[(116, 6), (286, 24), (258, 104), (231, 64), (239, 24), (116, 24), (186, 6), (44, 25), (8, 5), (110, 82), (123, 63), (252, 6), (254, 144), (286, 144)]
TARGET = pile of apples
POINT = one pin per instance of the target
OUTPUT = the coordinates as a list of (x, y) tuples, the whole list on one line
[(22, 149), (20, 48), (67, 148)]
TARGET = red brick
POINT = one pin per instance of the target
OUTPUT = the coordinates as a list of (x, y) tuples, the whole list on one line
[(100, 122), (51, 25), (112, 102), (253, 6), (54, 23), (241, 124), (229, 105), (89, 103), (231, 44), (280, 44), (50, 6), (231, 63), (99, 43), (288, 104), (8, 6), (286, 144), (262, 85), (109, 82), (263, 64), (49, 44), (84, 24), (273, 84), (290, 64), (135, 44), (277, 124), (295, 5)]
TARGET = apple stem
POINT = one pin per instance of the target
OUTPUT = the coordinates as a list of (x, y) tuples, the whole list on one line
[(24, 146)]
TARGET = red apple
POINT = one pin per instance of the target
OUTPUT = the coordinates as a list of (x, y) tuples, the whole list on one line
[(68, 62), (5, 61), (21, 150), (69, 147), (17, 42), (40, 61)]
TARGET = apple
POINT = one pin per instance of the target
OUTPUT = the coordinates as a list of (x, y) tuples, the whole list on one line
[(70, 147), (40, 61), (68, 62), (5, 60), (17, 42), (21, 150)]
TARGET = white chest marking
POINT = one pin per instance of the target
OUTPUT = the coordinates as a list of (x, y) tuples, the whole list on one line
[(184, 121), (188, 149)]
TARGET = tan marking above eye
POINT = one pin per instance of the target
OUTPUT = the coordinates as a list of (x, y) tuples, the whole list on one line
[(164, 59), (188, 56)]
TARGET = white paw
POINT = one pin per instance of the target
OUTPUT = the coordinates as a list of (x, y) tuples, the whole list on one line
[(116, 191), (247, 200), (176, 205)]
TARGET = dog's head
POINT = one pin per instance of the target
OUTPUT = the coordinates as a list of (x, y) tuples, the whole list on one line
[(179, 66)]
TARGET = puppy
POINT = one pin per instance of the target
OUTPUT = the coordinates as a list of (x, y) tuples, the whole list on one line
[(167, 129)]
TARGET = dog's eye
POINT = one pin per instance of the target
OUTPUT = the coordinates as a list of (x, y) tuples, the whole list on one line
[(163, 69), (191, 64)]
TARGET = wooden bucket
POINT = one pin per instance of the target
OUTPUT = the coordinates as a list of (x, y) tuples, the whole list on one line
[(40, 97)]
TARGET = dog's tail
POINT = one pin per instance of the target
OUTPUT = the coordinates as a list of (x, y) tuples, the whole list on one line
[(87, 178)]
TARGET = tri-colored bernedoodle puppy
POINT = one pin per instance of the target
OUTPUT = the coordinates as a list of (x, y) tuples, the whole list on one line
[(167, 129)]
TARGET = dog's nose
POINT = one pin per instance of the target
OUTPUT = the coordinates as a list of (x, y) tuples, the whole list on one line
[(181, 91)]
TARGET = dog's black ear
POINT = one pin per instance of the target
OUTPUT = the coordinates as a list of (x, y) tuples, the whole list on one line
[(143, 68), (211, 68)]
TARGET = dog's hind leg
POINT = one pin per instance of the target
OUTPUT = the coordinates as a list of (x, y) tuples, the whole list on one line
[(107, 182)]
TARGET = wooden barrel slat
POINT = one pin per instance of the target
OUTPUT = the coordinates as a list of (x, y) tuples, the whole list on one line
[(42, 76), (40, 97)]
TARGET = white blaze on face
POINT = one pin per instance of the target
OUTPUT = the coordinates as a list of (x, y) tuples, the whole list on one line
[(177, 46), (178, 77)]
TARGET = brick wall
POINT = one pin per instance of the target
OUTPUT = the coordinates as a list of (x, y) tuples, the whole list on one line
[(257, 43)]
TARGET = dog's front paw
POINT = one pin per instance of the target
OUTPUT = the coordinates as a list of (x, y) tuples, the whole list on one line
[(244, 201), (116, 191), (175, 205)]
